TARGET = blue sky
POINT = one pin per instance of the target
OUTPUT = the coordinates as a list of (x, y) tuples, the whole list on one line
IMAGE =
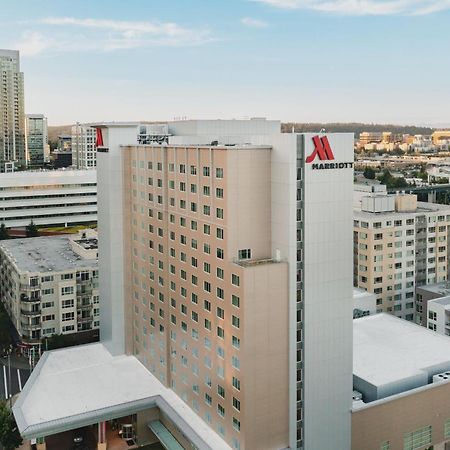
[(383, 61)]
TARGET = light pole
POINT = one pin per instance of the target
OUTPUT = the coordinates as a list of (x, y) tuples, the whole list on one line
[(9, 376)]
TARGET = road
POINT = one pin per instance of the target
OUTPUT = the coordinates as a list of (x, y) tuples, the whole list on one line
[(18, 380)]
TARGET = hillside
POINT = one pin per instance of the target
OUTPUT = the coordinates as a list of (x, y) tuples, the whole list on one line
[(55, 131), (354, 127)]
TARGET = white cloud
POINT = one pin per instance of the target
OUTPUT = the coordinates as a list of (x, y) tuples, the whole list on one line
[(364, 7), (70, 34), (253, 23)]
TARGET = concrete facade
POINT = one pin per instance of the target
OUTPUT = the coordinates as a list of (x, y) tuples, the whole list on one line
[(54, 197)]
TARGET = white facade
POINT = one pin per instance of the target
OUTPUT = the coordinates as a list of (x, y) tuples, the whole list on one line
[(364, 303), (37, 140), (84, 155), (56, 197), (439, 315), (49, 285), (13, 144)]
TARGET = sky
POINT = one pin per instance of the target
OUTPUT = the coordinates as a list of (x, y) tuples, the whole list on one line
[(374, 61)]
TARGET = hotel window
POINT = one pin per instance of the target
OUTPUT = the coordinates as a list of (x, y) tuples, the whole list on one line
[(68, 316), (206, 171), (182, 168), (220, 253), (236, 342), (236, 404), (193, 188), (221, 410), (193, 225), (207, 305), (236, 424), (244, 254), (219, 192), (235, 301), (182, 186), (220, 293), (417, 439), (220, 273), (219, 172), (219, 233), (221, 332), (206, 229), (219, 213), (206, 210), (193, 170), (220, 313), (235, 279), (237, 384), (221, 391)]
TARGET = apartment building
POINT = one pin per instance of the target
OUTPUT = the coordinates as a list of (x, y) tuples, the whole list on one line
[(37, 140), (399, 244), (49, 285), (83, 145), (53, 197), (226, 269), (13, 144)]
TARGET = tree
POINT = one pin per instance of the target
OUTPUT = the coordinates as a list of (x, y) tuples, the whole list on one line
[(32, 230), (369, 173), (3, 232), (9, 433)]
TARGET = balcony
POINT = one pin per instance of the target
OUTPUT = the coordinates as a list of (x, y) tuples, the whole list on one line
[(85, 319), (25, 298), (30, 327), (28, 313)]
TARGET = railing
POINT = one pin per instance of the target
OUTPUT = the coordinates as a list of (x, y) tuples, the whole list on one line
[(85, 319), (27, 299), (30, 313), (30, 327)]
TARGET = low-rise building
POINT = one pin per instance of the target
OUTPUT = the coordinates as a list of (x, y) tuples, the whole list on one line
[(49, 285), (424, 295), (401, 375), (53, 197)]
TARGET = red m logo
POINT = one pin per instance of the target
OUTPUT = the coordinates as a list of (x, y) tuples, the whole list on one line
[(99, 138), (322, 149)]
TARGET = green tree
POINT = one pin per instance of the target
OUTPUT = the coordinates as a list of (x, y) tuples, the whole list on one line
[(3, 232), (369, 173), (32, 230), (9, 433)]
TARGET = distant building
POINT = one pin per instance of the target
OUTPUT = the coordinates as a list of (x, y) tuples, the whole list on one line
[(53, 197), (401, 374), (65, 142), (49, 285), (439, 136), (426, 294), (84, 152), (13, 145), (37, 139), (399, 244), (62, 159), (370, 137)]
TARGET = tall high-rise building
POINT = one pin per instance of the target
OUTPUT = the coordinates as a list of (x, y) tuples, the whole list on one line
[(13, 146), (37, 140), (84, 155), (229, 252)]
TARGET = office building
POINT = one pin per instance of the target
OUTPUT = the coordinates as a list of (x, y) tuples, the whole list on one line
[(37, 140), (83, 145), (49, 285), (424, 295), (53, 197), (399, 244), (401, 374), (226, 269), (13, 144)]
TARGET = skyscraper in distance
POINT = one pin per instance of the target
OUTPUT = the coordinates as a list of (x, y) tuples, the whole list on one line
[(13, 146)]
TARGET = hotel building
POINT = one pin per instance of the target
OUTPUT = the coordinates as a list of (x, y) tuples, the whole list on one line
[(226, 271), (399, 244)]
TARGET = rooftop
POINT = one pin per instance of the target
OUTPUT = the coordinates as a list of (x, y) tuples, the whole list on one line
[(442, 288), (44, 254), (422, 208), (392, 355), (85, 384)]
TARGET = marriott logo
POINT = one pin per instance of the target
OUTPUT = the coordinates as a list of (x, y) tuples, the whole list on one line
[(322, 151)]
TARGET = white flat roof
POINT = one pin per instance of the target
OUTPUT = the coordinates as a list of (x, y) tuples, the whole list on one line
[(85, 384), (393, 355)]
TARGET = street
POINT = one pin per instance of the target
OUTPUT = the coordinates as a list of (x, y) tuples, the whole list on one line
[(18, 380)]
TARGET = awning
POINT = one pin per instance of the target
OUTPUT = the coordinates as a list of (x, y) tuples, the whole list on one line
[(164, 435)]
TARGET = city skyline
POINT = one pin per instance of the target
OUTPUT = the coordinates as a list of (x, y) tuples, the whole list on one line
[(305, 61)]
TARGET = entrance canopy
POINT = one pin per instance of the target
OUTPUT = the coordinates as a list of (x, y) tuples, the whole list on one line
[(78, 386)]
